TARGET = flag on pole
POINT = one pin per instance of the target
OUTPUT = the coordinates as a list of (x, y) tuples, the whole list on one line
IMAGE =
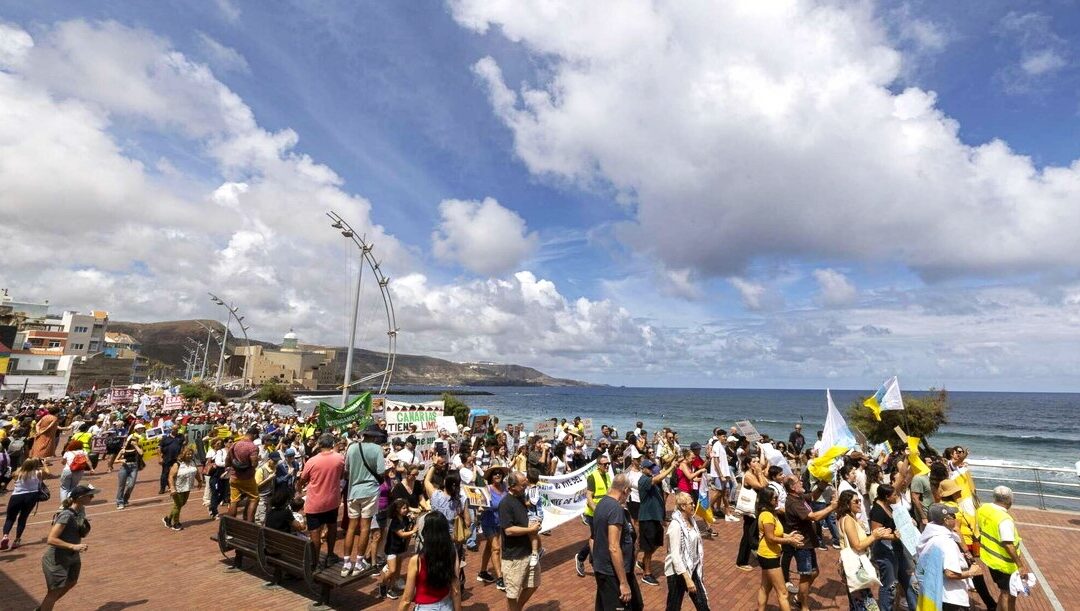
[(886, 398), (836, 439), (357, 410), (918, 467), (704, 508)]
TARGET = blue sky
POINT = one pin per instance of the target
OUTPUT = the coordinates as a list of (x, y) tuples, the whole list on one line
[(694, 194)]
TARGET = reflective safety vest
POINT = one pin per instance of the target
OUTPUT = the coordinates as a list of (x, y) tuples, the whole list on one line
[(600, 486), (84, 439), (989, 518)]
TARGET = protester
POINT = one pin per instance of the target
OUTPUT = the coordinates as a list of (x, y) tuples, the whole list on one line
[(169, 447), (62, 560), (46, 432), (887, 552), (966, 526), (685, 559), (24, 497), (76, 463), (942, 569), (320, 483), (854, 537), (130, 453), (596, 486), (431, 582), (450, 501), (754, 479), (771, 539), (242, 460), (489, 527), (1000, 545), (183, 475), (613, 551), (520, 574), (400, 530), (365, 465), (217, 475)]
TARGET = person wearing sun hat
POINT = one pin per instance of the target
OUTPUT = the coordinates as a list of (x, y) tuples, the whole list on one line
[(62, 561)]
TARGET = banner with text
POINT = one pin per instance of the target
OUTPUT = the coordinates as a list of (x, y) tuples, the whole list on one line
[(562, 497), (424, 415)]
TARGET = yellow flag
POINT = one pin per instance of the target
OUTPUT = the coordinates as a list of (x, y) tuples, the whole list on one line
[(820, 467), (918, 467)]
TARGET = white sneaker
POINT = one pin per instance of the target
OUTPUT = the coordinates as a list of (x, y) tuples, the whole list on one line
[(534, 559), (730, 518), (346, 569), (361, 565), (791, 588)]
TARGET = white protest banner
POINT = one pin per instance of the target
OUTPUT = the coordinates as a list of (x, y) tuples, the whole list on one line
[(173, 403), (121, 395), (746, 429), (424, 415), (562, 497)]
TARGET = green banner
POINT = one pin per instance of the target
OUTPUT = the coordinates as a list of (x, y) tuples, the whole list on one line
[(357, 410)]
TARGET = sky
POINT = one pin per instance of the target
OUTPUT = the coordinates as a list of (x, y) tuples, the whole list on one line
[(790, 194)]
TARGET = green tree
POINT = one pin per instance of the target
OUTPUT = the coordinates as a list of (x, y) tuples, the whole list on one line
[(921, 417), (452, 406), (275, 393), (201, 391)]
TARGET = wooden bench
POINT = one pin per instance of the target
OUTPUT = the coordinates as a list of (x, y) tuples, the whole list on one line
[(278, 553)]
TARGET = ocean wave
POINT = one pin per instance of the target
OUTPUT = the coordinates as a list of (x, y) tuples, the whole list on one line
[(1019, 437)]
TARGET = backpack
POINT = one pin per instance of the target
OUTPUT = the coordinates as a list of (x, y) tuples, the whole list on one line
[(79, 462), (17, 445)]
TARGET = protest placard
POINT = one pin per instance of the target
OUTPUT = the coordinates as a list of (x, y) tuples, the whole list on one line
[(121, 395), (399, 416), (587, 422), (747, 430), (173, 403), (478, 496), (546, 428)]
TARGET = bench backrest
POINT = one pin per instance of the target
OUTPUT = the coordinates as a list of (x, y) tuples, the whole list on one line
[(288, 549), (233, 531)]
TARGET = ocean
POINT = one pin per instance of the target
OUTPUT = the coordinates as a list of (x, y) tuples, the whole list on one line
[(1025, 429)]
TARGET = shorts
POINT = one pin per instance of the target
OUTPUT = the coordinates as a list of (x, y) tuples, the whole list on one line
[(806, 561), (719, 483), (767, 564), (380, 516), (489, 529), (242, 487), (652, 535), (318, 520), (61, 573), (519, 576), (633, 507), (1001, 580), (363, 507)]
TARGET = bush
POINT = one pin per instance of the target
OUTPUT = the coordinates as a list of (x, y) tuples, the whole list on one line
[(275, 393), (452, 406), (921, 417), (205, 392)]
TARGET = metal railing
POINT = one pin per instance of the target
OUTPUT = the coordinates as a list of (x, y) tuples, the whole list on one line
[(1053, 478)]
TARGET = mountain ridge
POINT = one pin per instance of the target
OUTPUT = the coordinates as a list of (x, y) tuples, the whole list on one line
[(164, 341)]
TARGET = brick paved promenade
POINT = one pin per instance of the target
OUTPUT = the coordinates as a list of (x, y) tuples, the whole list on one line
[(135, 562)]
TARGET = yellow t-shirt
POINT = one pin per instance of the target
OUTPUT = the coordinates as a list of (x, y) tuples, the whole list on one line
[(765, 549)]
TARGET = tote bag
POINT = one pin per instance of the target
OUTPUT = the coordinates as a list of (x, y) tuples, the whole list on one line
[(747, 501), (859, 571)]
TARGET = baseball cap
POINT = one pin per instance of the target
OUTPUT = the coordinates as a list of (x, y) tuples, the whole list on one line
[(275, 456), (696, 447), (290, 452), (938, 511), (82, 491)]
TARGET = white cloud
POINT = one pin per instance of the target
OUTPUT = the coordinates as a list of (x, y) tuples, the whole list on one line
[(482, 236), (752, 293), (229, 10), (149, 245), (14, 45), (1042, 62), (221, 57), (748, 130), (834, 287)]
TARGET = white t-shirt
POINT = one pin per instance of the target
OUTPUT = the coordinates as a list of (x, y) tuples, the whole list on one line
[(635, 494), (781, 494), (1007, 530), (185, 476), (560, 466), (455, 461), (468, 476), (719, 459)]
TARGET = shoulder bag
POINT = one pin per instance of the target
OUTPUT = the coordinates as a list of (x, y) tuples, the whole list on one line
[(859, 571), (379, 477), (747, 501)]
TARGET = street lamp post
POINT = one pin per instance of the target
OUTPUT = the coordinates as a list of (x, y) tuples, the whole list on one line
[(232, 310)]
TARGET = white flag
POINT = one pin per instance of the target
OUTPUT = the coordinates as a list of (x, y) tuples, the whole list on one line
[(892, 400), (836, 431)]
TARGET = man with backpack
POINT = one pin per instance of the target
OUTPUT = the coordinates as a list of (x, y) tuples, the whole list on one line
[(242, 460), (365, 467)]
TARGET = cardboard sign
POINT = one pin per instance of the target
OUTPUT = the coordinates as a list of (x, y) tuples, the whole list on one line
[(545, 428), (446, 422), (478, 496), (746, 429), (97, 445), (121, 395), (173, 403), (900, 433), (588, 428), (480, 424)]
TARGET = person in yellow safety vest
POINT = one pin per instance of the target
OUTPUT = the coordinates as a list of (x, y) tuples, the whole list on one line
[(1000, 545), (596, 488)]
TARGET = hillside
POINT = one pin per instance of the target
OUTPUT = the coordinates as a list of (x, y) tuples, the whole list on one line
[(165, 342)]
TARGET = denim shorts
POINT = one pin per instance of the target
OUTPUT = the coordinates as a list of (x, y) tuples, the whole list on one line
[(806, 561)]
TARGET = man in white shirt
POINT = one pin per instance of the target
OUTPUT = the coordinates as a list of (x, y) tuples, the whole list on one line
[(720, 475)]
